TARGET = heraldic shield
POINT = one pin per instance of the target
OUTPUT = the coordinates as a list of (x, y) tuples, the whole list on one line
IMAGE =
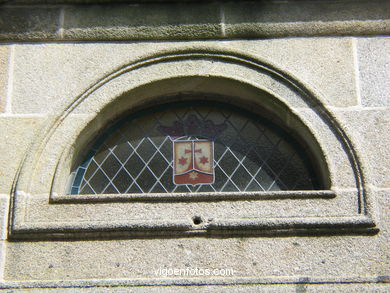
[(193, 149), (193, 162)]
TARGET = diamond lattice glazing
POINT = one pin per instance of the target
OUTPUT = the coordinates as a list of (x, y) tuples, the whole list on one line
[(250, 154)]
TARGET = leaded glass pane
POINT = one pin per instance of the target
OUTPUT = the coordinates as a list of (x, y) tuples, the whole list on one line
[(193, 147)]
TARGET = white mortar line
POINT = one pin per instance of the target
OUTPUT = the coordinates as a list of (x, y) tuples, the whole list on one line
[(357, 72), (2, 260), (61, 23), (33, 115), (3, 235), (378, 188), (358, 108), (10, 81), (39, 115), (222, 15), (4, 220)]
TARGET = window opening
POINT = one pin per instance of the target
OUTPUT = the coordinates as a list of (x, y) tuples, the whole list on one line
[(194, 147)]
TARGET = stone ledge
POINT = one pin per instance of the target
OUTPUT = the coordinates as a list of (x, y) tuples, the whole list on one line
[(309, 226), (29, 23), (186, 21), (234, 282), (200, 196)]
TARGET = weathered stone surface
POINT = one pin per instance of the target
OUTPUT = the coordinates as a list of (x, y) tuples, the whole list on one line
[(16, 136), (44, 215), (311, 29), (381, 203), (325, 65), (185, 211), (299, 287), (338, 256), (293, 18), (68, 71), (189, 20), (326, 258), (374, 69), (27, 23), (297, 11), (369, 131), (153, 21), (342, 173), (49, 76), (4, 202), (4, 51)]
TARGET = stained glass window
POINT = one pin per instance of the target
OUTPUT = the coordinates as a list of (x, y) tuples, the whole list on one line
[(193, 147)]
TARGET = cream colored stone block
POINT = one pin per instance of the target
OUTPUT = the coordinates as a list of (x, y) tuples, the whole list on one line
[(67, 70), (333, 257), (4, 204), (369, 131), (326, 65), (382, 211), (374, 71), (2, 260), (4, 51), (16, 134), (183, 212)]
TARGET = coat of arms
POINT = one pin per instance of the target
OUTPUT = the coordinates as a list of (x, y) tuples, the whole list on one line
[(193, 162), (193, 150)]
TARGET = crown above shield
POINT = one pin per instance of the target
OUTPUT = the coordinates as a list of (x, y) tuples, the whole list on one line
[(193, 126)]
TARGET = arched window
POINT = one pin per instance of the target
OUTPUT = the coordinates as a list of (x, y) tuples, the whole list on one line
[(239, 150), (194, 146)]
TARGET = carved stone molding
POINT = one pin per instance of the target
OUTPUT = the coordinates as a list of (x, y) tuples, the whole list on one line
[(41, 209)]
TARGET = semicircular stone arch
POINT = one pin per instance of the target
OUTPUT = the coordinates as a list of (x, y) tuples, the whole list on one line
[(246, 82)]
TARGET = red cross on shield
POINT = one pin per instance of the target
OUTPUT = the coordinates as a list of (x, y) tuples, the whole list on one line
[(193, 162)]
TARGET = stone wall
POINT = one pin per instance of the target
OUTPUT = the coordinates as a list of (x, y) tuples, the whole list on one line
[(63, 65)]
